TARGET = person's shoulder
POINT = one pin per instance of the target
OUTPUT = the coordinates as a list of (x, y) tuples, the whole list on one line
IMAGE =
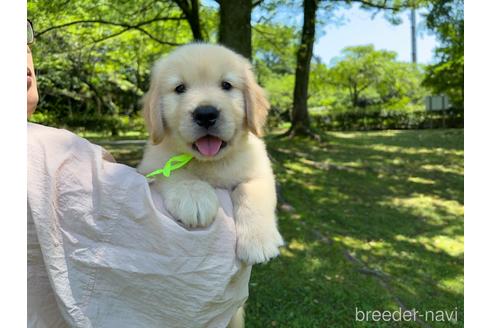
[(48, 136), (38, 130)]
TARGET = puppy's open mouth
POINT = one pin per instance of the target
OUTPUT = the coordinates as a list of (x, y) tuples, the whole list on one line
[(209, 145)]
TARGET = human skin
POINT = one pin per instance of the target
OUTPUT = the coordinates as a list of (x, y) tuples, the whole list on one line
[(32, 88)]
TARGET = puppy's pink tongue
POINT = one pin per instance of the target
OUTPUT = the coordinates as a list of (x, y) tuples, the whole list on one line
[(208, 145)]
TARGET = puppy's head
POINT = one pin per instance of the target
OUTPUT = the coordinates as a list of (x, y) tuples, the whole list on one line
[(204, 99)]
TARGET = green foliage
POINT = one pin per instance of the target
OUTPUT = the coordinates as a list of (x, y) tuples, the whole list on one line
[(373, 79), (82, 123), (387, 91), (280, 90), (275, 46), (322, 94), (388, 119), (446, 19), (94, 57)]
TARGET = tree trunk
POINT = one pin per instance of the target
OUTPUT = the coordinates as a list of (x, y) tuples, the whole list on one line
[(355, 97), (235, 25), (300, 115), (194, 20), (191, 10)]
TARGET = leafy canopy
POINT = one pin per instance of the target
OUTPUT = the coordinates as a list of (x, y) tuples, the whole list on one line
[(373, 79), (446, 19)]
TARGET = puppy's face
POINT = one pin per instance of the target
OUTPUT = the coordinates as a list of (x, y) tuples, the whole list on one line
[(204, 99)]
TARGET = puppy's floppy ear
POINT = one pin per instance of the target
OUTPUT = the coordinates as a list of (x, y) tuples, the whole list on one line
[(257, 105), (152, 110)]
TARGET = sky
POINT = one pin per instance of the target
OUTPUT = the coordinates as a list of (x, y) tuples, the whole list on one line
[(361, 29)]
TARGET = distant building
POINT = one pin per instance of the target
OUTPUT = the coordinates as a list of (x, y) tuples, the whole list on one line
[(436, 103)]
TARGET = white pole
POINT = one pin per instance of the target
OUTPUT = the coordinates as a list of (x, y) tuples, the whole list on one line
[(414, 36)]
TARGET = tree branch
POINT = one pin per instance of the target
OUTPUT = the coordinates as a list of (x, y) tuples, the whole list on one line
[(184, 6), (156, 39), (380, 5), (191, 11), (125, 30), (257, 3), (101, 21)]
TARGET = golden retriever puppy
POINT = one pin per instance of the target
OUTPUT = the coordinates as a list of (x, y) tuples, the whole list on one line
[(204, 101)]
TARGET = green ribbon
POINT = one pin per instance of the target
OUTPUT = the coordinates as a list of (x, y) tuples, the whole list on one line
[(172, 164)]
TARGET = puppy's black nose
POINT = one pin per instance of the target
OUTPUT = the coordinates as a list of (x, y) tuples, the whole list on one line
[(205, 116)]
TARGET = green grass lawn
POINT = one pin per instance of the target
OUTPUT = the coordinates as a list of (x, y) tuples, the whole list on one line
[(372, 220)]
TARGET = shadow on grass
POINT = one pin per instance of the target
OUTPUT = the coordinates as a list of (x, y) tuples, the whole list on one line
[(377, 224)]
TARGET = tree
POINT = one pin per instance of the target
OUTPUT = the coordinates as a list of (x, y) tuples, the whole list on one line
[(374, 78), (446, 18), (274, 48), (92, 61), (191, 10), (300, 117), (235, 25), (360, 68), (300, 123), (274, 57)]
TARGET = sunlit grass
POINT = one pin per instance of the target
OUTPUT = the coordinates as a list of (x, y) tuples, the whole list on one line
[(427, 206), (420, 180), (392, 200), (443, 168), (121, 135)]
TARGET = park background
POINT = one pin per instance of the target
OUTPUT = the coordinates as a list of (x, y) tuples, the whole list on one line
[(370, 179)]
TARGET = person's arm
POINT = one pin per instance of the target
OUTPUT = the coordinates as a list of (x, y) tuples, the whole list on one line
[(113, 256)]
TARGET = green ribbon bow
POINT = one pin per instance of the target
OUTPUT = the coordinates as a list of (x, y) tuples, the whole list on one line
[(172, 164)]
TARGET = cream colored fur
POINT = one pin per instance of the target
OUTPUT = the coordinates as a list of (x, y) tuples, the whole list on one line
[(237, 320), (242, 166)]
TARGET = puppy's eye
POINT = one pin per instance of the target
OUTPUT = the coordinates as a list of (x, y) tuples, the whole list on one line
[(180, 89), (226, 85)]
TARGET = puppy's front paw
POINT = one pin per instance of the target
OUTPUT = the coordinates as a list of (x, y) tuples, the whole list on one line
[(256, 245), (194, 203)]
